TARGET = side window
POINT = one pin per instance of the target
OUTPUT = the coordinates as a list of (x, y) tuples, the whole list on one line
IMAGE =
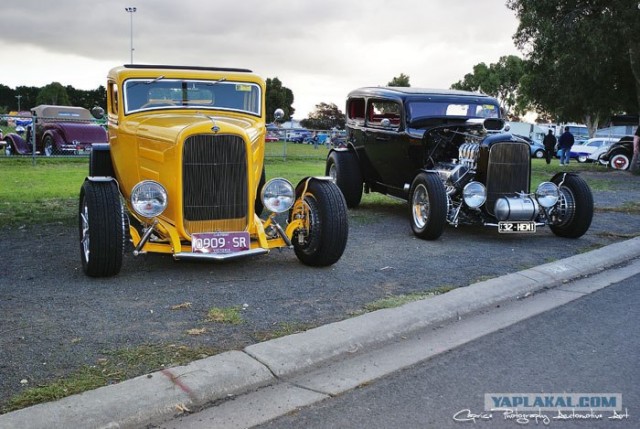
[(355, 111), (113, 97), (383, 109)]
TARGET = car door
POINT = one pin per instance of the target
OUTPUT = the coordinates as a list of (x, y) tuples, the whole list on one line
[(386, 143)]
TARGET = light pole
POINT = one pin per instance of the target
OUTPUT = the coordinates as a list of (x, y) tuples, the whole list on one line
[(131, 11), (18, 97)]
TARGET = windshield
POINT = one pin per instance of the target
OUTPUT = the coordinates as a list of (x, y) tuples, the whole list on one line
[(159, 93), (425, 109)]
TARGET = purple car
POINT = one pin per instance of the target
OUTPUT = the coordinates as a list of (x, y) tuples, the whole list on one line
[(60, 130)]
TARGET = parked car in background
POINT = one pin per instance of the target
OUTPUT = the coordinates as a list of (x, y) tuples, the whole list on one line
[(443, 152), (59, 130), (183, 174), (537, 148), (619, 154), (583, 151), (298, 136), (271, 137)]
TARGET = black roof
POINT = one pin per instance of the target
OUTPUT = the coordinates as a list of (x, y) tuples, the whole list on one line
[(409, 93)]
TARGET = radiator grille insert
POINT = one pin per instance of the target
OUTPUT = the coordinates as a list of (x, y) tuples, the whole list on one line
[(214, 178), (508, 171)]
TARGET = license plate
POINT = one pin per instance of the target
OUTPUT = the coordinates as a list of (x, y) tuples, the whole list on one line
[(517, 227), (220, 242)]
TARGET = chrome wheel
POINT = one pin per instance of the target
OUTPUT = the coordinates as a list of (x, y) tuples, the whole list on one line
[(84, 231), (421, 208), (48, 146), (333, 173)]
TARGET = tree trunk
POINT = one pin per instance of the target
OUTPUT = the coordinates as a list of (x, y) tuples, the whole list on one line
[(634, 60)]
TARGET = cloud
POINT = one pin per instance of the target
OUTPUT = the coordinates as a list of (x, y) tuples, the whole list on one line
[(321, 50)]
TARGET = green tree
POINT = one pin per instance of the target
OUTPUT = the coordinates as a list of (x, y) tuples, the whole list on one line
[(54, 93), (325, 117), (402, 80), (500, 80), (278, 97), (29, 95), (6, 95), (87, 98), (583, 57)]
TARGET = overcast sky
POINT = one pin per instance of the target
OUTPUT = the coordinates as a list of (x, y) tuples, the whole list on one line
[(319, 49)]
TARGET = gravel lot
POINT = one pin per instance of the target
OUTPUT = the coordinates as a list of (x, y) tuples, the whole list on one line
[(54, 319)]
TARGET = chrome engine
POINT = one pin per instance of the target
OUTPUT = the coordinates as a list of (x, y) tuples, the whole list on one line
[(505, 205), (457, 173)]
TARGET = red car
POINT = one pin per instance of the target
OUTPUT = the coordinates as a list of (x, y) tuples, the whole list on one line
[(60, 130), (271, 138)]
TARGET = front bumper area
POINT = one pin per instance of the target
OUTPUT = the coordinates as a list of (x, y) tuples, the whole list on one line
[(220, 256)]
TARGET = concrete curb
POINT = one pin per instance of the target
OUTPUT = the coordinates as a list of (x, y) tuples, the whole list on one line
[(291, 355), (159, 396), (142, 400)]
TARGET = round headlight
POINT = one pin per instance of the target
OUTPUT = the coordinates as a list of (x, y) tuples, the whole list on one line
[(547, 194), (149, 198), (278, 195), (474, 194)]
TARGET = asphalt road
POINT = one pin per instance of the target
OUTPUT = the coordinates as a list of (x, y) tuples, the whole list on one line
[(590, 345), (54, 319)]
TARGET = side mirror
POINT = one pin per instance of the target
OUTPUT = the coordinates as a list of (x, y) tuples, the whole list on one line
[(97, 112), (278, 114)]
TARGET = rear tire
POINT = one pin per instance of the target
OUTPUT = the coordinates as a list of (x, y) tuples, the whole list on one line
[(574, 211), (582, 159), (619, 161), (344, 170), (539, 154), (428, 206), (324, 239), (102, 229)]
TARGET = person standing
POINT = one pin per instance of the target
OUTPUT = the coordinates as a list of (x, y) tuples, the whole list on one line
[(549, 143), (565, 142)]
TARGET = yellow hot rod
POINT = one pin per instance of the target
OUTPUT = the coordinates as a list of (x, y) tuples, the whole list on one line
[(183, 174)]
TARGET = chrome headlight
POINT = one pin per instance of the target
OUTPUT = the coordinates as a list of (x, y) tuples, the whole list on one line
[(278, 195), (474, 194), (149, 198), (547, 194)]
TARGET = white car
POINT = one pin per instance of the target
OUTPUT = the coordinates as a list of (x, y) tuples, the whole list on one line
[(585, 151)]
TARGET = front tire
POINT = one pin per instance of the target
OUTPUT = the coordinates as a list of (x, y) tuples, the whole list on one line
[(100, 163), (573, 213), (582, 159), (539, 154), (259, 206), (344, 170), (102, 229), (49, 147), (428, 206), (620, 161), (324, 211)]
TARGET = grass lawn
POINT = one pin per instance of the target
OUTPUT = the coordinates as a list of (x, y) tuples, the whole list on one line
[(47, 192)]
